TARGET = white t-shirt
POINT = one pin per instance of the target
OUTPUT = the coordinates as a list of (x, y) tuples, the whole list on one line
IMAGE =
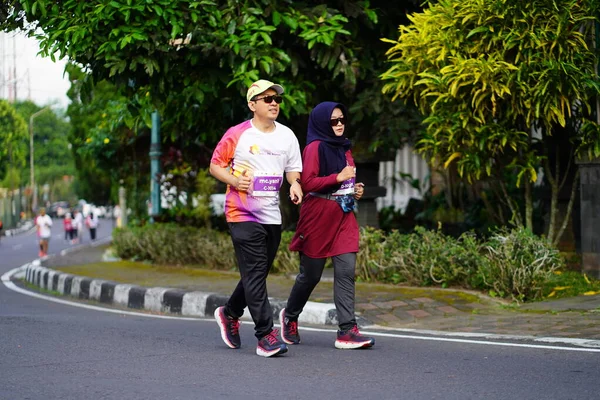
[(44, 222), (265, 157), (92, 220), (78, 221)]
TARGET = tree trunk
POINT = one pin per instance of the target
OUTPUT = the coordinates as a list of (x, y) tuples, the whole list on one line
[(528, 206), (569, 209)]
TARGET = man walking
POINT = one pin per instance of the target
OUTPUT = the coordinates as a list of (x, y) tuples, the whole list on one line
[(252, 158)]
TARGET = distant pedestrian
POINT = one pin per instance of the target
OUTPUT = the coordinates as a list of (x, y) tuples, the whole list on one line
[(68, 227), (43, 223), (252, 158), (91, 221), (327, 226), (77, 226)]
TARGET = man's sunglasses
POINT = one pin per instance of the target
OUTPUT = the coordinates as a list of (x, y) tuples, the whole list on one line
[(335, 121), (269, 99)]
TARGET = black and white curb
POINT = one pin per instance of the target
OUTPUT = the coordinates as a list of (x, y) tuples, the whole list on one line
[(157, 299)]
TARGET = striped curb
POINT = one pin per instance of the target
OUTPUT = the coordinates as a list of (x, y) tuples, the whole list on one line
[(157, 299)]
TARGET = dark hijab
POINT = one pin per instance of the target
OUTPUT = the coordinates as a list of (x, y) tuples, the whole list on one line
[(332, 149)]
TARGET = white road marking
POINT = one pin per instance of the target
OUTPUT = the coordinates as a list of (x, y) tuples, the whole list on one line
[(17, 246), (588, 345)]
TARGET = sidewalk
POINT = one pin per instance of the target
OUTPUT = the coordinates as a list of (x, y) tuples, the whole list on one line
[(385, 306)]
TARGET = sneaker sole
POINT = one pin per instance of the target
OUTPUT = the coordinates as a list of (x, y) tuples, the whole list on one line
[(222, 329), (264, 353), (353, 345), (281, 318)]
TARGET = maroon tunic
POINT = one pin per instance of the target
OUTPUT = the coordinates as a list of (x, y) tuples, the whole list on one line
[(324, 230)]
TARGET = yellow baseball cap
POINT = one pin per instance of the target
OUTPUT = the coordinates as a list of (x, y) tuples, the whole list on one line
[(260, 86)]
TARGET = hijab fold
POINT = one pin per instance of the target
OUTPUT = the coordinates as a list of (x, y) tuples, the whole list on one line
[(332, 149)]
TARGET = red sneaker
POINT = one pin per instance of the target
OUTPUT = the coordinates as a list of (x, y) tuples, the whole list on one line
[(270, 346), (352, 339), (289, 329), (229, 327)]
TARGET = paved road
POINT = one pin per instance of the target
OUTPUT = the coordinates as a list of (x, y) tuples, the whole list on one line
[(58, 351)]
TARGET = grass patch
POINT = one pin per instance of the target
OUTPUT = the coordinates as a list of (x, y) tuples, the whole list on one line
[(36, 288), (569, 284)]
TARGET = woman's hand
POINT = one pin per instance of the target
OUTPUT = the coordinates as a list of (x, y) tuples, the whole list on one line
[(359, 189), (347, 173)]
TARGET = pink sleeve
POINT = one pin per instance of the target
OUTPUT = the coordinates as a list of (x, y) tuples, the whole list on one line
[(311, 181), (225, 149)]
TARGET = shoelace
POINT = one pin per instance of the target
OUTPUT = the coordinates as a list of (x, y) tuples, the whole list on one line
[(234, 326), (272, 337), (293, 327), (355, 331)]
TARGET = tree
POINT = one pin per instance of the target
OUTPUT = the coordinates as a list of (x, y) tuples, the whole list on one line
[(53, 158), (193, 60), (108, 149), (496, 81), (13, 143)]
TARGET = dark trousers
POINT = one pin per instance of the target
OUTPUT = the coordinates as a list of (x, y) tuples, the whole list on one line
[(311, 270), (255, 249), (93, 233)]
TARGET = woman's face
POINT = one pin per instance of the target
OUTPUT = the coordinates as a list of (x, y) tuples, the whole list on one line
[(338, 122)]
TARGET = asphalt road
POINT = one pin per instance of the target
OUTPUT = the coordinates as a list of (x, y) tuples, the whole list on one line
[(58, 351)]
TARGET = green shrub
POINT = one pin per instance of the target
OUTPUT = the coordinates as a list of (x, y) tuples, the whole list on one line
[(517, 264), (428, 257), (514, 264), (286, 261), (173, 244)]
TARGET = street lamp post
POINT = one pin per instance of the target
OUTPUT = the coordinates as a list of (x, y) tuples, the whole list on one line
[(31, 173), (155, 166)]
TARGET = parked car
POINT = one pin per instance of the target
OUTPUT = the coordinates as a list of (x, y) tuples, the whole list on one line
[(58, 209)]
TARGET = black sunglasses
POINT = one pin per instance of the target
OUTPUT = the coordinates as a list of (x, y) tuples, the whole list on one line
[(335, 121), (269, 99)]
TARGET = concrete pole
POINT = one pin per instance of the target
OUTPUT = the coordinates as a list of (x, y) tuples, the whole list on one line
[(123, 206), (155, 166)]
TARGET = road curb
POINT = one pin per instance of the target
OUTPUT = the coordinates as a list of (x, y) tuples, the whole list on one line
[(27, 225), (158, 299)]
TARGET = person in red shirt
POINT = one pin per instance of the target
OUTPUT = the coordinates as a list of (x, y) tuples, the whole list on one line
[(68, 227), (327, 226)]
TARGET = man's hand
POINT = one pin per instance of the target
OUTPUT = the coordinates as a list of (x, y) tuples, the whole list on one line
[(243, 182), (359, 189), (296, 193)]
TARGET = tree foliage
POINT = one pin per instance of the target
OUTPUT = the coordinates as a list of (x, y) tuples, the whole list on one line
[(193, 60), (104, 148), (52, 153), (496, 79), (13, 141)]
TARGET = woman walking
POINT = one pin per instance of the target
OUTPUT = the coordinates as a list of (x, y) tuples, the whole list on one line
[(327, 226)]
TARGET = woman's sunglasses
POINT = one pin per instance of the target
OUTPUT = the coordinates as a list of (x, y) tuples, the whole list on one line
[(269, 99), (335, 121)]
